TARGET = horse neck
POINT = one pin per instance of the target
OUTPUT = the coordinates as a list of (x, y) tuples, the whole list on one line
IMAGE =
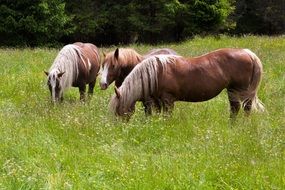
[(141, 82), (130, 58), (125, 71), (127, 65)]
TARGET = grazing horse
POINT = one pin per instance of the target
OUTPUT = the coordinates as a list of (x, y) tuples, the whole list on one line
[(169, 78), (75, 65), (119, 63)]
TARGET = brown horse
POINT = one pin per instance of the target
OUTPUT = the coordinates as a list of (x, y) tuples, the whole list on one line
[(169, 78), (119, 63), (75, 65)]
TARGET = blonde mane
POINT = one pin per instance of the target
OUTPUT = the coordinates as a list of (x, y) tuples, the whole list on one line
[(67, 61), (142, 81), (127, 56)]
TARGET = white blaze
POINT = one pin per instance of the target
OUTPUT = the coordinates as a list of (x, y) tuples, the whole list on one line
[(104, 74)]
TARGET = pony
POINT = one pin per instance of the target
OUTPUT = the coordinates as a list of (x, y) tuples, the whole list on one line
[(76, 65), (170, 78), (119, 63)]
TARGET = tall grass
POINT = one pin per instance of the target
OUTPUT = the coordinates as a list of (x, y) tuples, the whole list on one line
[(78, 145)]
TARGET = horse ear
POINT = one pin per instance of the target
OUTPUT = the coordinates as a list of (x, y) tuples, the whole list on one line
[(47, 73), (104, 54), (59, 75), (118, 94), (117, 53)]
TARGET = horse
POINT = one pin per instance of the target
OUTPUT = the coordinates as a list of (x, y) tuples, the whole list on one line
[(170, 78), (76, 65), (119, 63)]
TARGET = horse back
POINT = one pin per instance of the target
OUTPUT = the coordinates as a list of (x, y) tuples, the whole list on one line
[(89, 62), (163, 51), (204, 77), (228, 63)]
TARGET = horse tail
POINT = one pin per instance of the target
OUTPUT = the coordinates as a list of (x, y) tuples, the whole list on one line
[(254, 84)]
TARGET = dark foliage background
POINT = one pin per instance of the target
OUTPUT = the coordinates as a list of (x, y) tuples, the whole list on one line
[(52, 22)]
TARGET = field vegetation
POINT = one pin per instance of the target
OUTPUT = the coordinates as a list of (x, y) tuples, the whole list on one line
[(76, 145)]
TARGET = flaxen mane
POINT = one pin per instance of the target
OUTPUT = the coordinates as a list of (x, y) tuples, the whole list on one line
[(142, 81), (67, 61)]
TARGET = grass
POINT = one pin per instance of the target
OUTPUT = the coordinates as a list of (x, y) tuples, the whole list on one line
[(78, 145)]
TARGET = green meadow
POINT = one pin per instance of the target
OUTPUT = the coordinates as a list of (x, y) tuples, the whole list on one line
[(76, 145)]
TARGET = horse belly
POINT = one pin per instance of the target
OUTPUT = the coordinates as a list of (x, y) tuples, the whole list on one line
[(196, 83), (200, 95), (203, 89)]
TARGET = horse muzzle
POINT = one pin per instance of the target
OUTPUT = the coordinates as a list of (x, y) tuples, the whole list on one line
[(103, 86)]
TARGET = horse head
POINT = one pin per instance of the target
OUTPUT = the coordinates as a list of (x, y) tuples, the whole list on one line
[(54, 84), (110, 69), (119, 107)]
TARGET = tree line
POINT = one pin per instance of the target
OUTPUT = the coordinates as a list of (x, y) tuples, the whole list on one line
[(52, 22)]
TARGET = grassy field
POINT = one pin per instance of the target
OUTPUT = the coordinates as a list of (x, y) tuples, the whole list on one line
[(78, 145)]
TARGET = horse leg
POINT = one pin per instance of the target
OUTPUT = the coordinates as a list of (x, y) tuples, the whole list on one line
[(82, 89), (169, 107), (61, 97), (235, 107), (147, 107), (234, 103), (91, 88), (167, 103), (157, 105), (247, 105)]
